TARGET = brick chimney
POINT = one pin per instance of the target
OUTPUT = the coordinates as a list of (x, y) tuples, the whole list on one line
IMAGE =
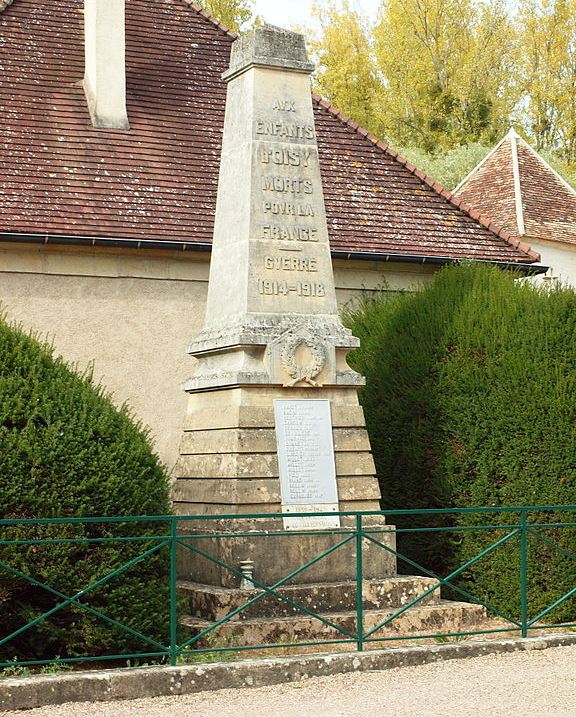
[(105, 63)]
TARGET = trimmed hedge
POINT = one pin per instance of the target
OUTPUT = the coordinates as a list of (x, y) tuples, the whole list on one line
[(471, 401), (66, 451)]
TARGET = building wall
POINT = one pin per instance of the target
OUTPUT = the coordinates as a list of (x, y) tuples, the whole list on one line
[(561, 258), (132, 316)]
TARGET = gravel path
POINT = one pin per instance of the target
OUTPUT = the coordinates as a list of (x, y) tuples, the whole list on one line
[(520, 684)]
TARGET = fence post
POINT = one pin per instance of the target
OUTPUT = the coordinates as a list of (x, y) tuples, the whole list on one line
[(524, 572), (173, 595), (359, 576)]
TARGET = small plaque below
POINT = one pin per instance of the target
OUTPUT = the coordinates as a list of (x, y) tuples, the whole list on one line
[(312, 522), (306, 462)]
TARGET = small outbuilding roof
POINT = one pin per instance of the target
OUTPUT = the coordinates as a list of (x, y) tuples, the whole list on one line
[(155, 184), (522, 192)]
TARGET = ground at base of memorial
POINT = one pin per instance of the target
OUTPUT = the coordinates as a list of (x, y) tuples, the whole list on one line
[(496, 685)]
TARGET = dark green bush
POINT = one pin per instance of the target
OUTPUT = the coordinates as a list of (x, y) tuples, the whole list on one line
[(471, 401), (66, 451)]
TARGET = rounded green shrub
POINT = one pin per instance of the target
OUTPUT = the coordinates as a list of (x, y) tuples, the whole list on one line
[(67, 451), (471, 402)]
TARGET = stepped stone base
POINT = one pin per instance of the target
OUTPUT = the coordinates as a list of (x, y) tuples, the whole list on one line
[(421, 620), (205, 601), (228, 456)]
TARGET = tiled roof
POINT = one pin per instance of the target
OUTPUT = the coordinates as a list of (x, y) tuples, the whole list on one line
[(520, 190), (158, 180), (378, 201)]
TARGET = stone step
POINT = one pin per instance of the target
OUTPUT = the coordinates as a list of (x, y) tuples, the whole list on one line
[(445, 617), (214, 603)]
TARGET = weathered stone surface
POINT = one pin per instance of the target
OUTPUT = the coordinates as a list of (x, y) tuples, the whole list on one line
[(272, 332), (235, 491), (261, 440), (261, 465), (188, 507), (110, 685), (228, 415), (271, 47), (271, 283), (445, 617), (212, 603), (276, 556)]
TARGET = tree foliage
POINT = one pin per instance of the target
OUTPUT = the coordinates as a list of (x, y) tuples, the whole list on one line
[(548, 67), (234, 14), (471, 401), (433, 76), (445, 65), (66, 451), (347, 70), (448, 167)]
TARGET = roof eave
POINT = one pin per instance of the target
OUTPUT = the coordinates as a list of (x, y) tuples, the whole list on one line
[(115, 242), (528, 269), (168, 245)]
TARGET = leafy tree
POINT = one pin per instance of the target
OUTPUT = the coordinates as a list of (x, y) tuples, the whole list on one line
[(548, 67), (446, 67), (234, 14), (565, 170), (346, 66)]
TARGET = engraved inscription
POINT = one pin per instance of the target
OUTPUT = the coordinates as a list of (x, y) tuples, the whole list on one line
[(286, 157), (291, 130), (285, 256), (284, 105), (306, 461), (288, 263), (289, 209), (284, 233), (287, 184), (307, 289)]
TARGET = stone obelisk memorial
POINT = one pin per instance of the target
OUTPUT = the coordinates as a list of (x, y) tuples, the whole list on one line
[(273, 424)]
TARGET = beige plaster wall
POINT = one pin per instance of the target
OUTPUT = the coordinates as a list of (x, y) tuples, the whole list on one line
[(561, 258), (133, 315)]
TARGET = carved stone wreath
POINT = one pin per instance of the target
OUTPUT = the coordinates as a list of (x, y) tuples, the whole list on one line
[(306, 373)]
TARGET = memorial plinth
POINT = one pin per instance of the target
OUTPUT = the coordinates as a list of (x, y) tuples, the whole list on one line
[(274, 422)]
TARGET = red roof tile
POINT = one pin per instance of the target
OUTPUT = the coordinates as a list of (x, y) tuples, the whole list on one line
[(517, 187), (158, 180)]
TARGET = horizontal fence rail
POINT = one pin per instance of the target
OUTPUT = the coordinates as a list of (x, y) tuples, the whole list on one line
[(535, 541)]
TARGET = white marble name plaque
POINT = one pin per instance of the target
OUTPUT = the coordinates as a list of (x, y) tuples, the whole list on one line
[(306, 463)]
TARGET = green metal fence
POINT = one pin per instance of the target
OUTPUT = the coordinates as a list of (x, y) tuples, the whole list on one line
[(172, 536)]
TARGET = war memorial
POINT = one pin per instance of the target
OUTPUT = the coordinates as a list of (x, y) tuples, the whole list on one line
[(274, 424)]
